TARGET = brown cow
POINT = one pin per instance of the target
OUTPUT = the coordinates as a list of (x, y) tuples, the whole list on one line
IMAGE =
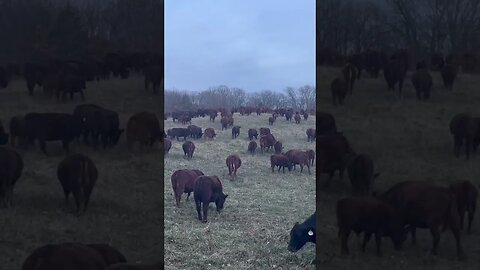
[(278, 147), (311, 156), (18, 130), (266, 142), (182, 182), (65, 256), (233, 163), (144, 128), (235, 131), (109, 254), (311, 134), (208, 189), (188, 149), (167, 144), (465, 128), (10, 171), (271, 120), (225, 121), (252, 146), (297, 118), (252, 133), (3, 135), (209, 133), (78, 174), (449, 73), (298, 157), (422, 81), (332, 151), (361, 173), (466, 194), (421, 204), (339, 87), (281, 161), (370, 216), (264, 131), (136, 266)]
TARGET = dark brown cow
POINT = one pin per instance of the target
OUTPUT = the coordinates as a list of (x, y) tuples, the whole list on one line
[(421, 204), (422, 81), (350, 73), (449, 73), (264, 131), (252, 146), (188, 149), (109, 254), (311, 134), (65, 256), (167, 144), (143, 127), (212, 116), (278, 147), (225, 122), (465, 129), (208, 189), (325, 123), (209, 133), (3, 135), (235, 131), (361, 173), (305, 116), (78, 174), (233, 163), (183, 182), (195, 131), (18, 131), (271, 120), (332, 151), (339, 87), (252, 133), (10, 171), (311, 156), (466, 194), (370, 216), (395, 72), (266, 142), (178, 132), (298, 157), (297, 118), (281, 161), (136, 266)]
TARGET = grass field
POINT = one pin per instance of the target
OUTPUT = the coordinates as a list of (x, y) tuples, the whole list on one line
[(408, 140), (253, 230), (125, 206)]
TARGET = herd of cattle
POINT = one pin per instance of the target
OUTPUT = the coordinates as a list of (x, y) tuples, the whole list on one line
[(406, 205), (395, 70), (208, 189), (62, 77)]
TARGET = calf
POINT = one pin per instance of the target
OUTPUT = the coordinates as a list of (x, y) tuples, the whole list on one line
[(183, 182), (209, 133), (167, 144), (252, 133), (466, 195), (278, 147), (361, 173), (78, 174), (271, 120), (208, 189), (370, 216), (302, 233), (310, 134), (299, 157), (144, 128), (233, 163), (235, 132), (252, 146), (188, 149), (311, 156), (10, 171), (281, 161), (109, 254)]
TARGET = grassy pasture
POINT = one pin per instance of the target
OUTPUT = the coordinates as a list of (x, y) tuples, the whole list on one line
[(124, 209), (253, 230), (408, 140)]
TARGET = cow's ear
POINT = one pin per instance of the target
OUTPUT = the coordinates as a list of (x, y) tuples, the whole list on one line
[(310, 233)]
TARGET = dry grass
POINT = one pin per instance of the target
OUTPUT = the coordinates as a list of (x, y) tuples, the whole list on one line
[(408, 140), (124, 210), (253, 230)]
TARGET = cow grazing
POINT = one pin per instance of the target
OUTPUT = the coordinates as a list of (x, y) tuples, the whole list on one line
[(297, 118), (183, 182), (311, 156), (188, 149), (449, 73), (52, 127), (271, 120), (281, 161), (235, 132), (109, 254), (233, 163), (225, 122), (299, 157), (264, 131), (252, 146), (144, 128), (325, 123), (209, 133), (3, 135), (278, 147), (422, 81), (77, 174), (208, 189), (167, 144), (311, 134), (195, 132), (179, 132), (266, 142), (370, 216), (466, 195), (395, 72), (465, 129), (303, 233), (421, 204), (350, 73), (339, 87), (252, 133), (71, 256), (361, 173), (18, 131), (11, 167)]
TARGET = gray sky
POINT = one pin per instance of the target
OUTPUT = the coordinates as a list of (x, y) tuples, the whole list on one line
[(251, 44)]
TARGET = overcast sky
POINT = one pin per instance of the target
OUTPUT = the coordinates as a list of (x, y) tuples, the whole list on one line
[(251, 44)]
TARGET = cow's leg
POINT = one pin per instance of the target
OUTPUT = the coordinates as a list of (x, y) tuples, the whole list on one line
[(198, 206), (378, 239), (344, 240), (436, 239), (471, 213), (205, 212), (366, 238), (461, 214), (188, 196)]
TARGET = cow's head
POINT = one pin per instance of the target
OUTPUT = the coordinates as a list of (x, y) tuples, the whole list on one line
[(220, 201), (299, 236)]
